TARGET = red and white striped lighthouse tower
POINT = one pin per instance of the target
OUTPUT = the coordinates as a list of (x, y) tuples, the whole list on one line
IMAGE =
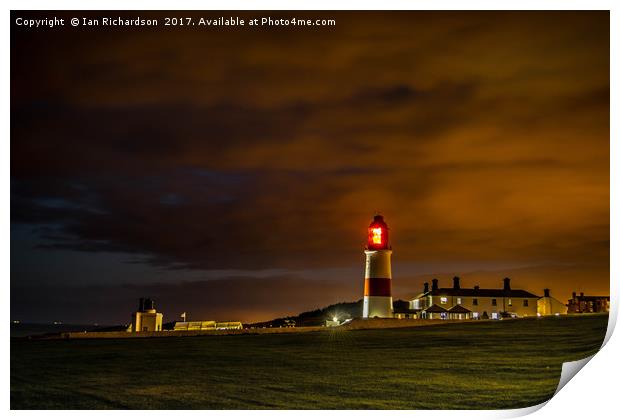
[(378, 279)]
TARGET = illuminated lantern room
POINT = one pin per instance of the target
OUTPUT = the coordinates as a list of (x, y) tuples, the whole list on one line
[(378, 234)]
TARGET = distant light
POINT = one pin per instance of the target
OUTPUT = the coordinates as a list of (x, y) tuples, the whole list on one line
[(335, 319), (557, 314)]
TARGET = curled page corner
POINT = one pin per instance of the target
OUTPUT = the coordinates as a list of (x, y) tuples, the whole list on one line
[(570, 369), (519, 412)]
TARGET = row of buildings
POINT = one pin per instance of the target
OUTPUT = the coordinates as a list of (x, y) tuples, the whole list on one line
[(587, 304), (433, 302), (147, 319), (458, 302)]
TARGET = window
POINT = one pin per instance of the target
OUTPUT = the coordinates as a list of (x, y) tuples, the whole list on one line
[(444, 300), (494, 302), (494, 315), (475, 302), (509, 302), (458, 301), (525, 303), (475, 315)]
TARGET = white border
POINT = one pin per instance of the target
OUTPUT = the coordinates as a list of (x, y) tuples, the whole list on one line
[(311, 5), (589, 395)]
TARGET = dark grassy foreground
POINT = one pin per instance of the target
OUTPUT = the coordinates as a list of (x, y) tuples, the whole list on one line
[(501, 364)]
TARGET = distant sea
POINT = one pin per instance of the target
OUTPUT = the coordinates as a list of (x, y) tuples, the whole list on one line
[(25, 329)]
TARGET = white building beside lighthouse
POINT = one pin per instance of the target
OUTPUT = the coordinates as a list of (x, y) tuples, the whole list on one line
[(378, 273)]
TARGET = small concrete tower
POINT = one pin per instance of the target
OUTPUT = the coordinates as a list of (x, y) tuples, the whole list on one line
[(146, 318), (378, 278)]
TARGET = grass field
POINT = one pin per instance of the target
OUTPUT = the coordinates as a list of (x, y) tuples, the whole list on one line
[(484, 365)]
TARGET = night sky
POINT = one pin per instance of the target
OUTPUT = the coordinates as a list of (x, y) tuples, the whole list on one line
[(232, 172)]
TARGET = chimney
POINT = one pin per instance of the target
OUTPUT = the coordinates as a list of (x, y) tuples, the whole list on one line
[(426, 287), (574, 295), (141, 305), (546, 292), (435, 285), (581, 294), (149, 304), (506, 283), (456, 282), (476, 287)]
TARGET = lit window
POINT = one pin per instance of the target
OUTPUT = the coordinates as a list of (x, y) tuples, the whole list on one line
[(525, 303), (494, 315), (458, 301), (509, 302), (476, 315), (444, 300), (494, 302)]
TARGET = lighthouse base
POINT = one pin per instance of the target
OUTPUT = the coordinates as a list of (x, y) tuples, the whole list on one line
[(378, 306)]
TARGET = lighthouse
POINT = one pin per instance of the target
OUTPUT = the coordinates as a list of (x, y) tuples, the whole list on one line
[(378, 278)]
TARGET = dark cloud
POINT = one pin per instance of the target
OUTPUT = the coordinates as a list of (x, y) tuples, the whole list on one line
[(481, 136)]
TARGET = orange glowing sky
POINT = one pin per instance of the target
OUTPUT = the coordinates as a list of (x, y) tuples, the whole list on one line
[(232, 173)]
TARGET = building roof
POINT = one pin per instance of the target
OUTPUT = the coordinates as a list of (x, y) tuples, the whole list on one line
[(405, 311), (419, 295), (579, 297), (435, 309), (510, 293), (458, 309)]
